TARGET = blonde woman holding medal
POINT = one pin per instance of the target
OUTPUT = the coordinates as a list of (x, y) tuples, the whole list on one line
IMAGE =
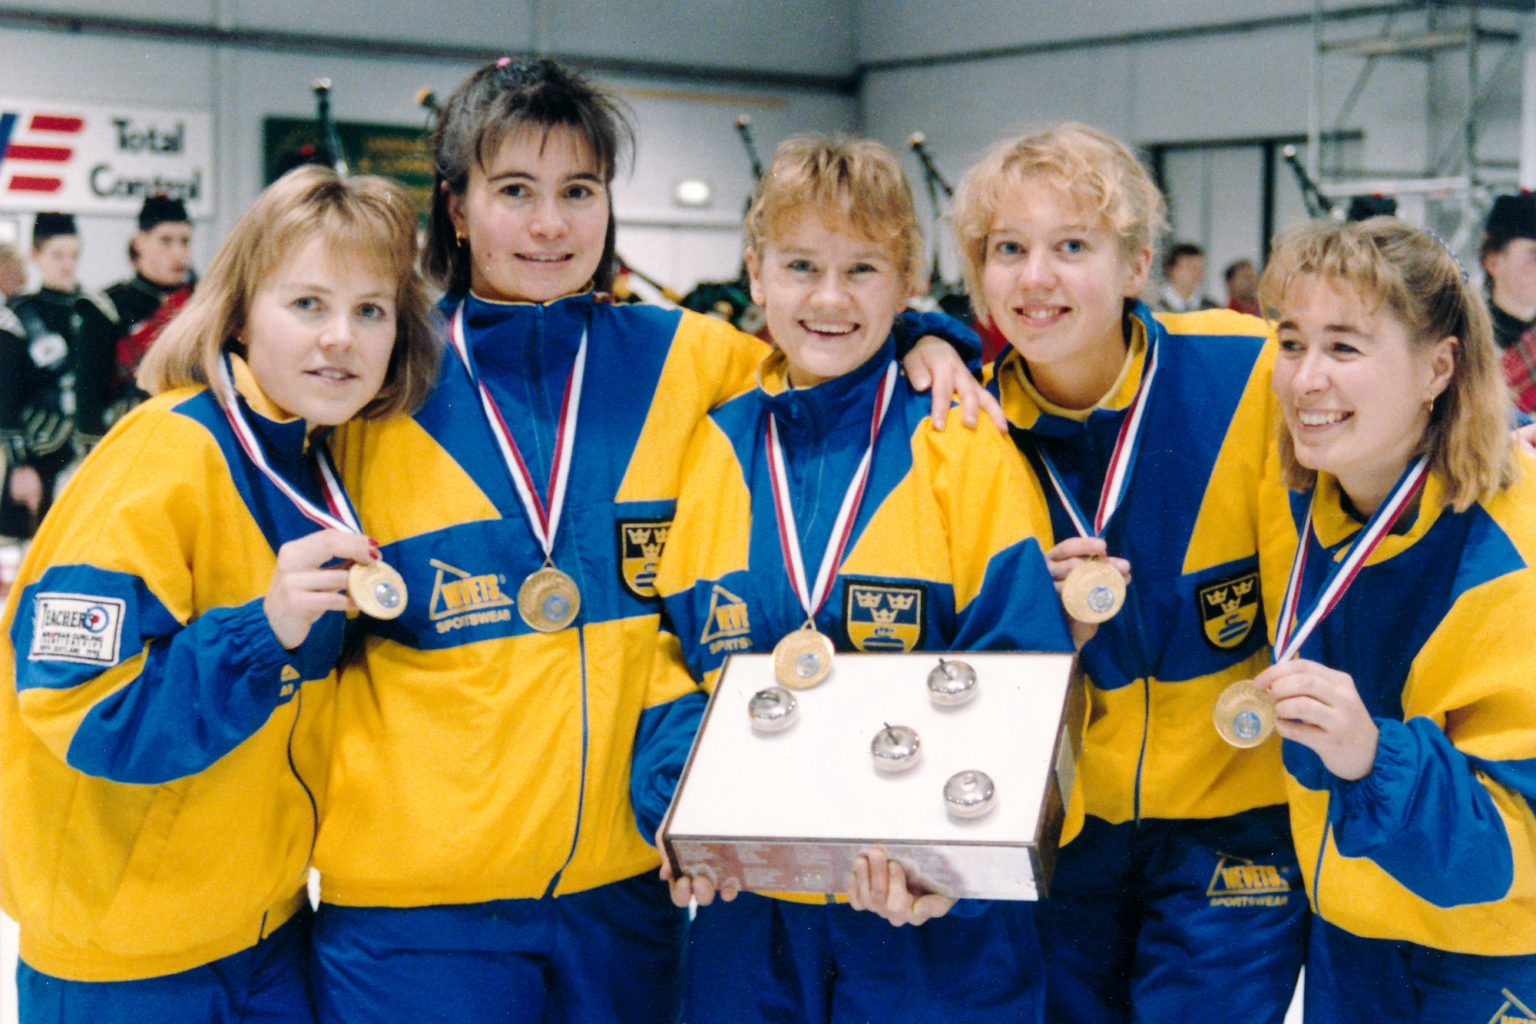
[(819, 495), (171, 636), (1401, 574), (481, 857), (1149, 432)]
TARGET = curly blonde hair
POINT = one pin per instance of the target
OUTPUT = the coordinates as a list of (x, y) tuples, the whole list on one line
[(854, 181), (1096, 171)]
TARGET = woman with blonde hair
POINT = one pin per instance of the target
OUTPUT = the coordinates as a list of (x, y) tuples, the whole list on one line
[(1150, 430), (834, 449), (171, 636), (1400, 583)]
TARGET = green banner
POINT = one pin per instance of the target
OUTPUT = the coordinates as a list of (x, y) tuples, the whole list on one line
[(397, 152)]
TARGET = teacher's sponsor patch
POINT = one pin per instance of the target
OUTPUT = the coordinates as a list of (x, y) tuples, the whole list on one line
[(76, 627)]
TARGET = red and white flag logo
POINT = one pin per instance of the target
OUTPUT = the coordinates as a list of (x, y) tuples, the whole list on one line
[(34, 149)]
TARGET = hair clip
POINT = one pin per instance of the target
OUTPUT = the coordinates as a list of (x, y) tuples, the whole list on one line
[(502, 62), (1457, 259)]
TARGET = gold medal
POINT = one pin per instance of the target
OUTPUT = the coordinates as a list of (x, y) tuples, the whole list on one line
[(377, 589), (1093, 591), (802, 658), (1244, 716), (548, 600)]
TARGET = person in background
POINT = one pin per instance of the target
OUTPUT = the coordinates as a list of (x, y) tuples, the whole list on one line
[(166, 658), (1406, 709), (480, 858), (13, 272), (142, 305), (1509, 266), (38, 340), (1242, 287), (1183, 289), (1176, 884)]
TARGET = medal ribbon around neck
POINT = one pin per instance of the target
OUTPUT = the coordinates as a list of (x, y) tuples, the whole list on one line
[(842, 527), (544, 521), (1289, 635), (341, 517), (1117, 475)]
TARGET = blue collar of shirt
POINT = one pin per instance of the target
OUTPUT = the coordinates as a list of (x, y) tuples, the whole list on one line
[(842, 404)]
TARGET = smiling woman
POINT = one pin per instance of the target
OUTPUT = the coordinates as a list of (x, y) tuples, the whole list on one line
[(1401, 569), (168, 661), (320, 334)]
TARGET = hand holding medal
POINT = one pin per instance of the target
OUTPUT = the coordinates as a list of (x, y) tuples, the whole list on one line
[(307, 582), (374, 587), (1091, 584), (1093, 588), (1244, 714)]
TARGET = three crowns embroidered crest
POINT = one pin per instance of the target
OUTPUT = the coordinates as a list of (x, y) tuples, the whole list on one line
[(1229, 609), (882, 616)]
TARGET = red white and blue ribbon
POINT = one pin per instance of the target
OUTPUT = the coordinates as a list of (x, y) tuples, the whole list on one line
[(341, 517), (811, 599), (1117, 475), (543, 519), (1290, 633)]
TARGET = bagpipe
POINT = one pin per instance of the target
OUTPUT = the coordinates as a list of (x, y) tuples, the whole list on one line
[(1319, 204), (946, 296), (328, 151), (732, 300)]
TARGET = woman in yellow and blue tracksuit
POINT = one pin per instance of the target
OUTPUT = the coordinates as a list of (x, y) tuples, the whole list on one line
[(947, 540), (479, 852), (1181, 887), (170, 642), (1406, 711)]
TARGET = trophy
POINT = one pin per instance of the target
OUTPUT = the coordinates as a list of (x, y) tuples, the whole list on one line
[(958, 767)]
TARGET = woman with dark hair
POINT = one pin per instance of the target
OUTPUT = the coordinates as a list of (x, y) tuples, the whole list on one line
[(480, 855)]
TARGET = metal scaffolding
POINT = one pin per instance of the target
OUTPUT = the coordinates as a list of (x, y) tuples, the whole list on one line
[(1473, 52)]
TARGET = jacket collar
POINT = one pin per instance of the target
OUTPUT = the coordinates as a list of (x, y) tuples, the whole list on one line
[(1334, 525), (1027, 409), (840, 405), (285, 438)]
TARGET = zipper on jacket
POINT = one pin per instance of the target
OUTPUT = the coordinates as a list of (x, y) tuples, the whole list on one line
[(1317, 869), (581, 645), (314, 807)]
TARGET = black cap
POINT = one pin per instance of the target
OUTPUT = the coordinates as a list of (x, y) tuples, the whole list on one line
[(162, 210), (1366, 207), (1513, 216), (51, 225)]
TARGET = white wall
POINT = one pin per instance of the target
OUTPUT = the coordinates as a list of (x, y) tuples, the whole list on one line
[(1114, 65), (685, 126)]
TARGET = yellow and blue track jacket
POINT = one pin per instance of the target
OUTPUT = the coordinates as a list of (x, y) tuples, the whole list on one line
[(1188, 523), (476, 759), (160, 752), (945, 552), (1437, 844)]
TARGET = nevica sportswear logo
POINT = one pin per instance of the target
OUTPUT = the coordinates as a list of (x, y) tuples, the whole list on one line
[(1513, 1011), (726, 626), (1240, 882), (33, 148), (461, 599)]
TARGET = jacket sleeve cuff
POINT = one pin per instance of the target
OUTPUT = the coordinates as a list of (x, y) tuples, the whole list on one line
[(1377, 806), (910, 326)]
